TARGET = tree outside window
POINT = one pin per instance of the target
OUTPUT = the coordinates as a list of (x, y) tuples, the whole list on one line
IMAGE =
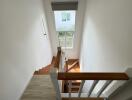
[(65, 16)]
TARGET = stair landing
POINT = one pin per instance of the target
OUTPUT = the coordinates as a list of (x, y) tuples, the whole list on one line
[(39, 88)]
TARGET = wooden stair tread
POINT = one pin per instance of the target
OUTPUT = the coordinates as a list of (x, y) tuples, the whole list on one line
[(82, 98), (74, 89), (45, 70), (75, 86), (71, 61), (76, 83), (73, 65), (74, 92)]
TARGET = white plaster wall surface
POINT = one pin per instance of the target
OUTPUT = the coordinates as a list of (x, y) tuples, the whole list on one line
[(107, 33), (23, 47), (106, 42), (124, 94), (51, 25)]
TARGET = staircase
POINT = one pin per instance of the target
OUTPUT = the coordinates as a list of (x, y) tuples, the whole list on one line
[(72, 66), (45, 70), (68, 83), (47, 87), (75, 86)]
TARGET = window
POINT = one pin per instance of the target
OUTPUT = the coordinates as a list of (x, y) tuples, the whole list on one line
[(65, 27), (65, 16), (65, 36)]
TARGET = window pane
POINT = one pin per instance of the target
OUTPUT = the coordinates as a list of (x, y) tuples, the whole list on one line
[(65, 38), (65, 27), (65, 20), (69, 39), (69, 34), (61, 37)]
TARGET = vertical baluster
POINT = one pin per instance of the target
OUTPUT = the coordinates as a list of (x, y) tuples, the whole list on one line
[(60, 64), (92, 87), (63, 61), (107, 83), (70, 85), (81, 87), (53, 75)]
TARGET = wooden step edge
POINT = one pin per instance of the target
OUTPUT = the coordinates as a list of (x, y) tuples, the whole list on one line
[(43, 71), (36, 72), (74, 89), (75, 86), (74, 92), (74, 98)]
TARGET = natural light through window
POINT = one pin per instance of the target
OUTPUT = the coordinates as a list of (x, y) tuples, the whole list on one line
[(65, 27)]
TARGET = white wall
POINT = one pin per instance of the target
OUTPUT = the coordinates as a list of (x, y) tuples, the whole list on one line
[(23, 47), (74, 52), (51, 25), (124, 93), (107, 33), (106, 43)]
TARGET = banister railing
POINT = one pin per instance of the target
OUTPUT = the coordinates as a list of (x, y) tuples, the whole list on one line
[(54, 74), (81, 87), (58, 58), (107, 83), (109, 77), (92, 76), (92, 87), (57, 75)]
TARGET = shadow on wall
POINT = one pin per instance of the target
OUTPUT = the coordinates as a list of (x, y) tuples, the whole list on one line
[(130, 98), (124, 90)]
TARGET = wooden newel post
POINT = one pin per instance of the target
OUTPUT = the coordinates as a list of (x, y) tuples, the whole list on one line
[(59, 48)]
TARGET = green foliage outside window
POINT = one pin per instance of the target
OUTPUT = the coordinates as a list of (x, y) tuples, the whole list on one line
[(65, 16), (65, 38)]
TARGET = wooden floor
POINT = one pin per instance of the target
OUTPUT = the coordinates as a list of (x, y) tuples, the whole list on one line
[(82, 98), (39, 88)]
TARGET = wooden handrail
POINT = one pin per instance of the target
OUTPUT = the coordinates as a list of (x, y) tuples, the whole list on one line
[(57, 60), (92, 76)]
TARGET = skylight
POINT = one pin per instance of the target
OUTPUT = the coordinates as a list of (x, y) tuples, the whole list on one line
[(65, 20)]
